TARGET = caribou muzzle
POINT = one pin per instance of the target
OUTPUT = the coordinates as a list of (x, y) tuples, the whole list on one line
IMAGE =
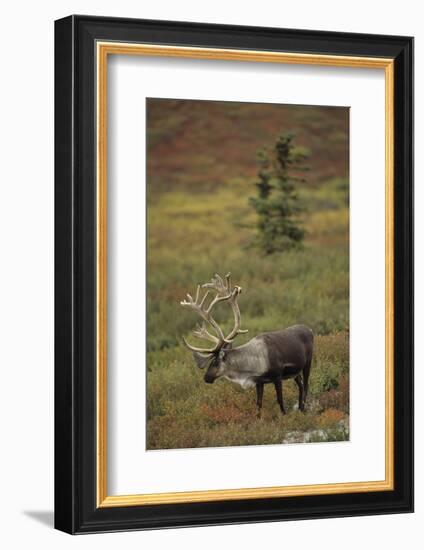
[(209, 378)]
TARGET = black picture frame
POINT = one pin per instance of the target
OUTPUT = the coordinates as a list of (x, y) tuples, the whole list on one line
[(76, 509)]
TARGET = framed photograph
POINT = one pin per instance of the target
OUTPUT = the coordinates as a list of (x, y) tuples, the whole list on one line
[(234, 268)]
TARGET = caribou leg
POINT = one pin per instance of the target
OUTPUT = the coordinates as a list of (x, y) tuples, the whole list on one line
[(279, 391), (299, 382), (259, 395), (306, 372)]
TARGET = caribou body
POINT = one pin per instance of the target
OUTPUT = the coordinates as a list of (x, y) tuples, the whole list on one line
[(267, 358)]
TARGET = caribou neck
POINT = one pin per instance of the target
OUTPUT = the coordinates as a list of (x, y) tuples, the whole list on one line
[(248, 360)]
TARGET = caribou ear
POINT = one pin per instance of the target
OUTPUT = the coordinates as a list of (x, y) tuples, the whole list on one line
[(202, 360)]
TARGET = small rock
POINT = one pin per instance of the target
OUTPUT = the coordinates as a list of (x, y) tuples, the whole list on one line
[(294, 437)]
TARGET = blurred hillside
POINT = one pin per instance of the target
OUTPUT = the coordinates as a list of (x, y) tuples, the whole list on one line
[(201, 144)]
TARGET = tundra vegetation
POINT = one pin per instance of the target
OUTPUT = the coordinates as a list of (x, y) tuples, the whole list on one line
[(201, 172)]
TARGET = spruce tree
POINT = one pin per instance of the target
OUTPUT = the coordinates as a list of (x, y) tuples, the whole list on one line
[(277, 204)]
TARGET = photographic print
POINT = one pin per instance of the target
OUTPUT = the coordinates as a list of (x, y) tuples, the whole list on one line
[(247, 274)]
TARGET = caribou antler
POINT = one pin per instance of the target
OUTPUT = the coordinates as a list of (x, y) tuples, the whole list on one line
[(224, 292), (202, 332)]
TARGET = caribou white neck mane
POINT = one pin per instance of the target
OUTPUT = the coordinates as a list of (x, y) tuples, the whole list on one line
[(253, 358)]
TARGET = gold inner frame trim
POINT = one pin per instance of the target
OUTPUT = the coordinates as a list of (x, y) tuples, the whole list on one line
[(103, 50)]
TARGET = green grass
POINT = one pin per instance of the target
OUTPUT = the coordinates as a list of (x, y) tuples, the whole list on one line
[(197, 227)]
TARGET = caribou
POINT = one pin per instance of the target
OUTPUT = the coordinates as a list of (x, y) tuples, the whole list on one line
[(270, 357)]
